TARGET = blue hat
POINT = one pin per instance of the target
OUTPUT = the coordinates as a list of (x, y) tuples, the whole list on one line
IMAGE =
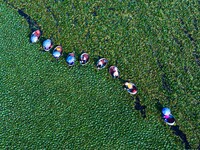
[(56, 54), (166, 111), (70, 60)]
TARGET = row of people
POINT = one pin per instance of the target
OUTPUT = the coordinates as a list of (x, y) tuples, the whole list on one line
[(84, 58), (101, 63)]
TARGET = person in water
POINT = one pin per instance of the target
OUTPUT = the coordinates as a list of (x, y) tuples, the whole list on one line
[(101, 63), (57, 52), (84, 58), (167, 116), (47, 45), (130, 87), (113, 70), (70, 59), (35, 36)]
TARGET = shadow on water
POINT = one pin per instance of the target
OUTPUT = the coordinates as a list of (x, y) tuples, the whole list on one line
[(65, 55), (182, 136), (175, 128), (122, 81), (79, 54), (95, 59), (32, 24), (42, 39), (140, 107), (198, 147), (159, 106)]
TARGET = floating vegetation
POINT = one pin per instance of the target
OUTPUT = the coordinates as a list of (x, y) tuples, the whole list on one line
[(79, 107)]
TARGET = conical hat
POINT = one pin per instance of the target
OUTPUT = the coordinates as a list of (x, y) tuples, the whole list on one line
[(59, 48), (166, 111), (129, 85), (116, 73), (56, 54), (34, 39), (70, 59), (47, 43)]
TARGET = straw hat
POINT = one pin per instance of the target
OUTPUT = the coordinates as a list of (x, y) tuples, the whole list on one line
[(116, 74), (56, 54), (35, 36), (129, 85), (34, 39), (47, 45)]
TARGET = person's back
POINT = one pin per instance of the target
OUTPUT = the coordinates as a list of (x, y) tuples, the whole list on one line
[(70, 59), (167, 116)]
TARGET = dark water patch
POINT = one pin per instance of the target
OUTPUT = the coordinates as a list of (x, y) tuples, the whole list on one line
[(159, 106), (182, 136), (140, 107), (32, 23)]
